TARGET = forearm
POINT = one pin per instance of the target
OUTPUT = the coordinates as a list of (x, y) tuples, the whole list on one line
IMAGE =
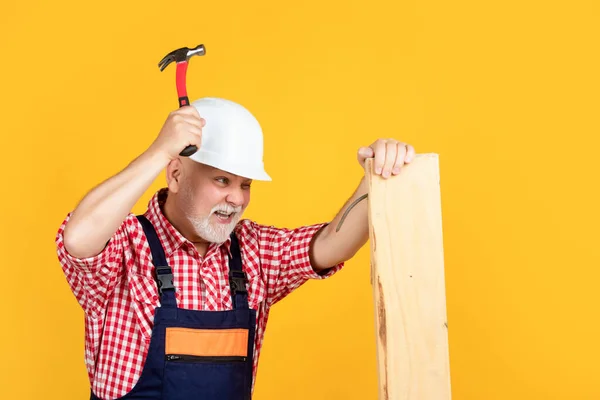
[(335, 243), (100, 213)]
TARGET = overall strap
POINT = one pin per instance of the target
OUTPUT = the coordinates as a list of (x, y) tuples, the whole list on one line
[(164, 274), (237, 276)]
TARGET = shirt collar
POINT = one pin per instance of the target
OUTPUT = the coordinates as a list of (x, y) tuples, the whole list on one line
[(170, 237)]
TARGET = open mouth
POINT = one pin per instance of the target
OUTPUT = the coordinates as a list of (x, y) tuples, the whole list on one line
[(223, 216)]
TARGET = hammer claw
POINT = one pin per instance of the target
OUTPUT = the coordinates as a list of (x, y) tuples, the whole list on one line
[(168, 59)]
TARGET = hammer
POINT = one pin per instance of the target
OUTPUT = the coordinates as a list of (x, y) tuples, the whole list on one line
[(181, 57)]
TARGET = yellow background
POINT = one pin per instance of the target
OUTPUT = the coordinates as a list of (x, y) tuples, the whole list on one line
[(506, 93)]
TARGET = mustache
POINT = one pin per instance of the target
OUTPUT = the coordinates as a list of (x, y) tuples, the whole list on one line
[(226, 208)]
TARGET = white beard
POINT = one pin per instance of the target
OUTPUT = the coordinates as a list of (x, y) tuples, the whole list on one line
[(215, 232)]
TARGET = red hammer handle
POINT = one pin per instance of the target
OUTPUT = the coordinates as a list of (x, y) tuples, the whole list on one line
[(180, 77), (183, 99)]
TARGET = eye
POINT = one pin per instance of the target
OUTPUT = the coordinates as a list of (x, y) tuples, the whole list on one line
[(222, 180), (246, 186)]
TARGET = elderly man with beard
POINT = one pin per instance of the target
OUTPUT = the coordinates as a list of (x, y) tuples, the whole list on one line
[(176, 300)]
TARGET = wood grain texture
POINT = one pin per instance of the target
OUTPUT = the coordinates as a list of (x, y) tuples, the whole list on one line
[(407, 273)]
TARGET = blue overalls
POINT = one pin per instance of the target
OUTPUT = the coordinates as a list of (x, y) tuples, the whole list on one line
[(204, 355)]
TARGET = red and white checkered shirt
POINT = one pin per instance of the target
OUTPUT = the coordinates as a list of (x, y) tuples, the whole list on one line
[(118, 294)]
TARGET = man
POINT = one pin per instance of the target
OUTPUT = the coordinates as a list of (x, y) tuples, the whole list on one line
[(176, 301)]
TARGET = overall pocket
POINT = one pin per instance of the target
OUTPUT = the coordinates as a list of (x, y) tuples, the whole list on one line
[(210, 359), (206, 364)]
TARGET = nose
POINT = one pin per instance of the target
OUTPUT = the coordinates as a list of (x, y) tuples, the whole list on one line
[(236, 197)]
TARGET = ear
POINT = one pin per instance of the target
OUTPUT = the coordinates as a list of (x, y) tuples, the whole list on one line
[(174, 175)]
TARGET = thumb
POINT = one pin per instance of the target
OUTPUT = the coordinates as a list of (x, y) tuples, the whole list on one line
[(365, 152)]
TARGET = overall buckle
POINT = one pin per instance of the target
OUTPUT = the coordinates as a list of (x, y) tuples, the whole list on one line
[(165, 280), (238, 280)]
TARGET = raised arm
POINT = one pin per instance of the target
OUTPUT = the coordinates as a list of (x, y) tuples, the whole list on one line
[(100, 213)]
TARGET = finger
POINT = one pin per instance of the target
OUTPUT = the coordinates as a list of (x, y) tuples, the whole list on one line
[(197, 122), (400, 157), (363, 154), (196, 138), (391, 150), (189, 110), (195, 131), (410, 153), (379, 152)]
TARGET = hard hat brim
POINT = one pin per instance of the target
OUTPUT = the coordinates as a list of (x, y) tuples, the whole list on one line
[(256, 172)]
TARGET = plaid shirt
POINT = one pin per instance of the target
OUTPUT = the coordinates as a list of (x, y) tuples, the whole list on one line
[(118, 293)]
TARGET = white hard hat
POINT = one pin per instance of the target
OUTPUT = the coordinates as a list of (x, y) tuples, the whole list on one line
[(232, 139)]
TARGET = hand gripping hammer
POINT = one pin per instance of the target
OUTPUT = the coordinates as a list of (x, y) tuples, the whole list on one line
[(181, 57)]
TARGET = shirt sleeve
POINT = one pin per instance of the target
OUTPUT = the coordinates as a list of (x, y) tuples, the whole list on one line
[(285, 259), (93, 279)]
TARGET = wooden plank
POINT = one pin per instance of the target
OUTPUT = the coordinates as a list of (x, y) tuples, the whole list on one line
[(407, 274)]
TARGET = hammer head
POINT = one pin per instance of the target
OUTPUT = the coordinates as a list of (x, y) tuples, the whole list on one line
[(180, 55)]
